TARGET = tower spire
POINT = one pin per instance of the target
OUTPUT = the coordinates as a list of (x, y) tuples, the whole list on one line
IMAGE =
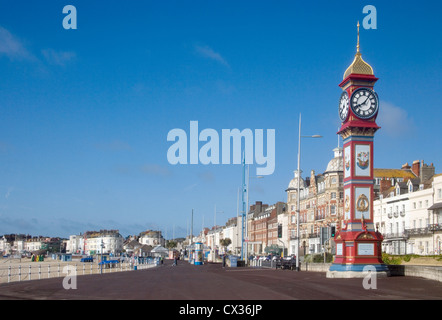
[(359, 66), (357, 47)]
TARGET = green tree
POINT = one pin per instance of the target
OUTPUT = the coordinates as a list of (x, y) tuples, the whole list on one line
[(171, 244), (225, 243)]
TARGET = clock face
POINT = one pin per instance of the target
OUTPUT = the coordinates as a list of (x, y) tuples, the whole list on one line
[(344, 103), (364, 103)]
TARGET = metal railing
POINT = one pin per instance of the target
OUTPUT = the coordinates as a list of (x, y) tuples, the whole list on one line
[(396, 235), (46, 270), (417, 231)]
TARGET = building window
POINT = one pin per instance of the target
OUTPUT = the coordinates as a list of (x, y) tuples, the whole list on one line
[(333, 210), (333, 195), (439, 193)]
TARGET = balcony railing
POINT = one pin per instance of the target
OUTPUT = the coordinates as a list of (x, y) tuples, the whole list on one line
[(396, 235), (435, 227), (396, 214), (424, 231)]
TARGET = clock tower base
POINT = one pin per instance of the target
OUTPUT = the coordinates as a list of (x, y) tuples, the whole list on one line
[(357, 271), (358, 254)]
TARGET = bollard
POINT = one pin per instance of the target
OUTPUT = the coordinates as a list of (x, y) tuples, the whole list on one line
[(29, 272), (58, 269), (49, 271), (9, 274), (84, 267), (39, 272), (19, 273)]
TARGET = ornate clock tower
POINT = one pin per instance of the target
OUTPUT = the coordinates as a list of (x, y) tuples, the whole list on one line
[(358, 245)]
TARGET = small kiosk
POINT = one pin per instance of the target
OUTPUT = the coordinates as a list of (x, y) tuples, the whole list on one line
[(198, 253)]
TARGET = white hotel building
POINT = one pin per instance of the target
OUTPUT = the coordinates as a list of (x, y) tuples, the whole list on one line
[(92, 242), (409, 216)]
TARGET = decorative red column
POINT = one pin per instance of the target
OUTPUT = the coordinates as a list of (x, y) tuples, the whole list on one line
[(358, 245)]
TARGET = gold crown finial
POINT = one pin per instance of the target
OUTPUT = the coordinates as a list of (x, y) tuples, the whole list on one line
[(359, 66), (357, 47)]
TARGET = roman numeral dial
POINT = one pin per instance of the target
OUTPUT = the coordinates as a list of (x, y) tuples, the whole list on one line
[(344, 104), (364, 103)]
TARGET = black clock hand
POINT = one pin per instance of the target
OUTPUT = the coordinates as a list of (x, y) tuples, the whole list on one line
[(366, 100), (361, 103)]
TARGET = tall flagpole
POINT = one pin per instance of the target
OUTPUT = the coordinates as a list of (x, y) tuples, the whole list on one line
[(298, 195), (191, 230), (243, 213)]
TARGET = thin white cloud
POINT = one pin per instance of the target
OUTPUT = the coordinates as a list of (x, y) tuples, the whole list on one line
[(115, 145), (207, 52), (190, 187), (8, 193), (155, 170), (12, 47), (394, 120), (59, 58)]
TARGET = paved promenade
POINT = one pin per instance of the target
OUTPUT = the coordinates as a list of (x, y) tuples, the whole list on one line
[(212, 282)]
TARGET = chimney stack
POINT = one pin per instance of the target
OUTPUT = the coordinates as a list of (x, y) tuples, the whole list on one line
[(384, 185), (406, 166), (416, 168)]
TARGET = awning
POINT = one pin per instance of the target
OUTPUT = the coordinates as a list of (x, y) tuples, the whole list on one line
[(436, 206)]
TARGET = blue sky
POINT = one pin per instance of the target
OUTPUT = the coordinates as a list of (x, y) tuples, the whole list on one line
[(85, 113)]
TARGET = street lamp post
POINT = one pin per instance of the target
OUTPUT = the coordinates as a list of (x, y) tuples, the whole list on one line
[(248, 190), (102, 246), (214, 234), (298, 195)]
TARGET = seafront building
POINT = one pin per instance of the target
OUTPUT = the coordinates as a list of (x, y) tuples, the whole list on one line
[(407, 212), (263, 228), (320, 206), (95, 242), (409, 215), (151, 238), (26, 244)]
